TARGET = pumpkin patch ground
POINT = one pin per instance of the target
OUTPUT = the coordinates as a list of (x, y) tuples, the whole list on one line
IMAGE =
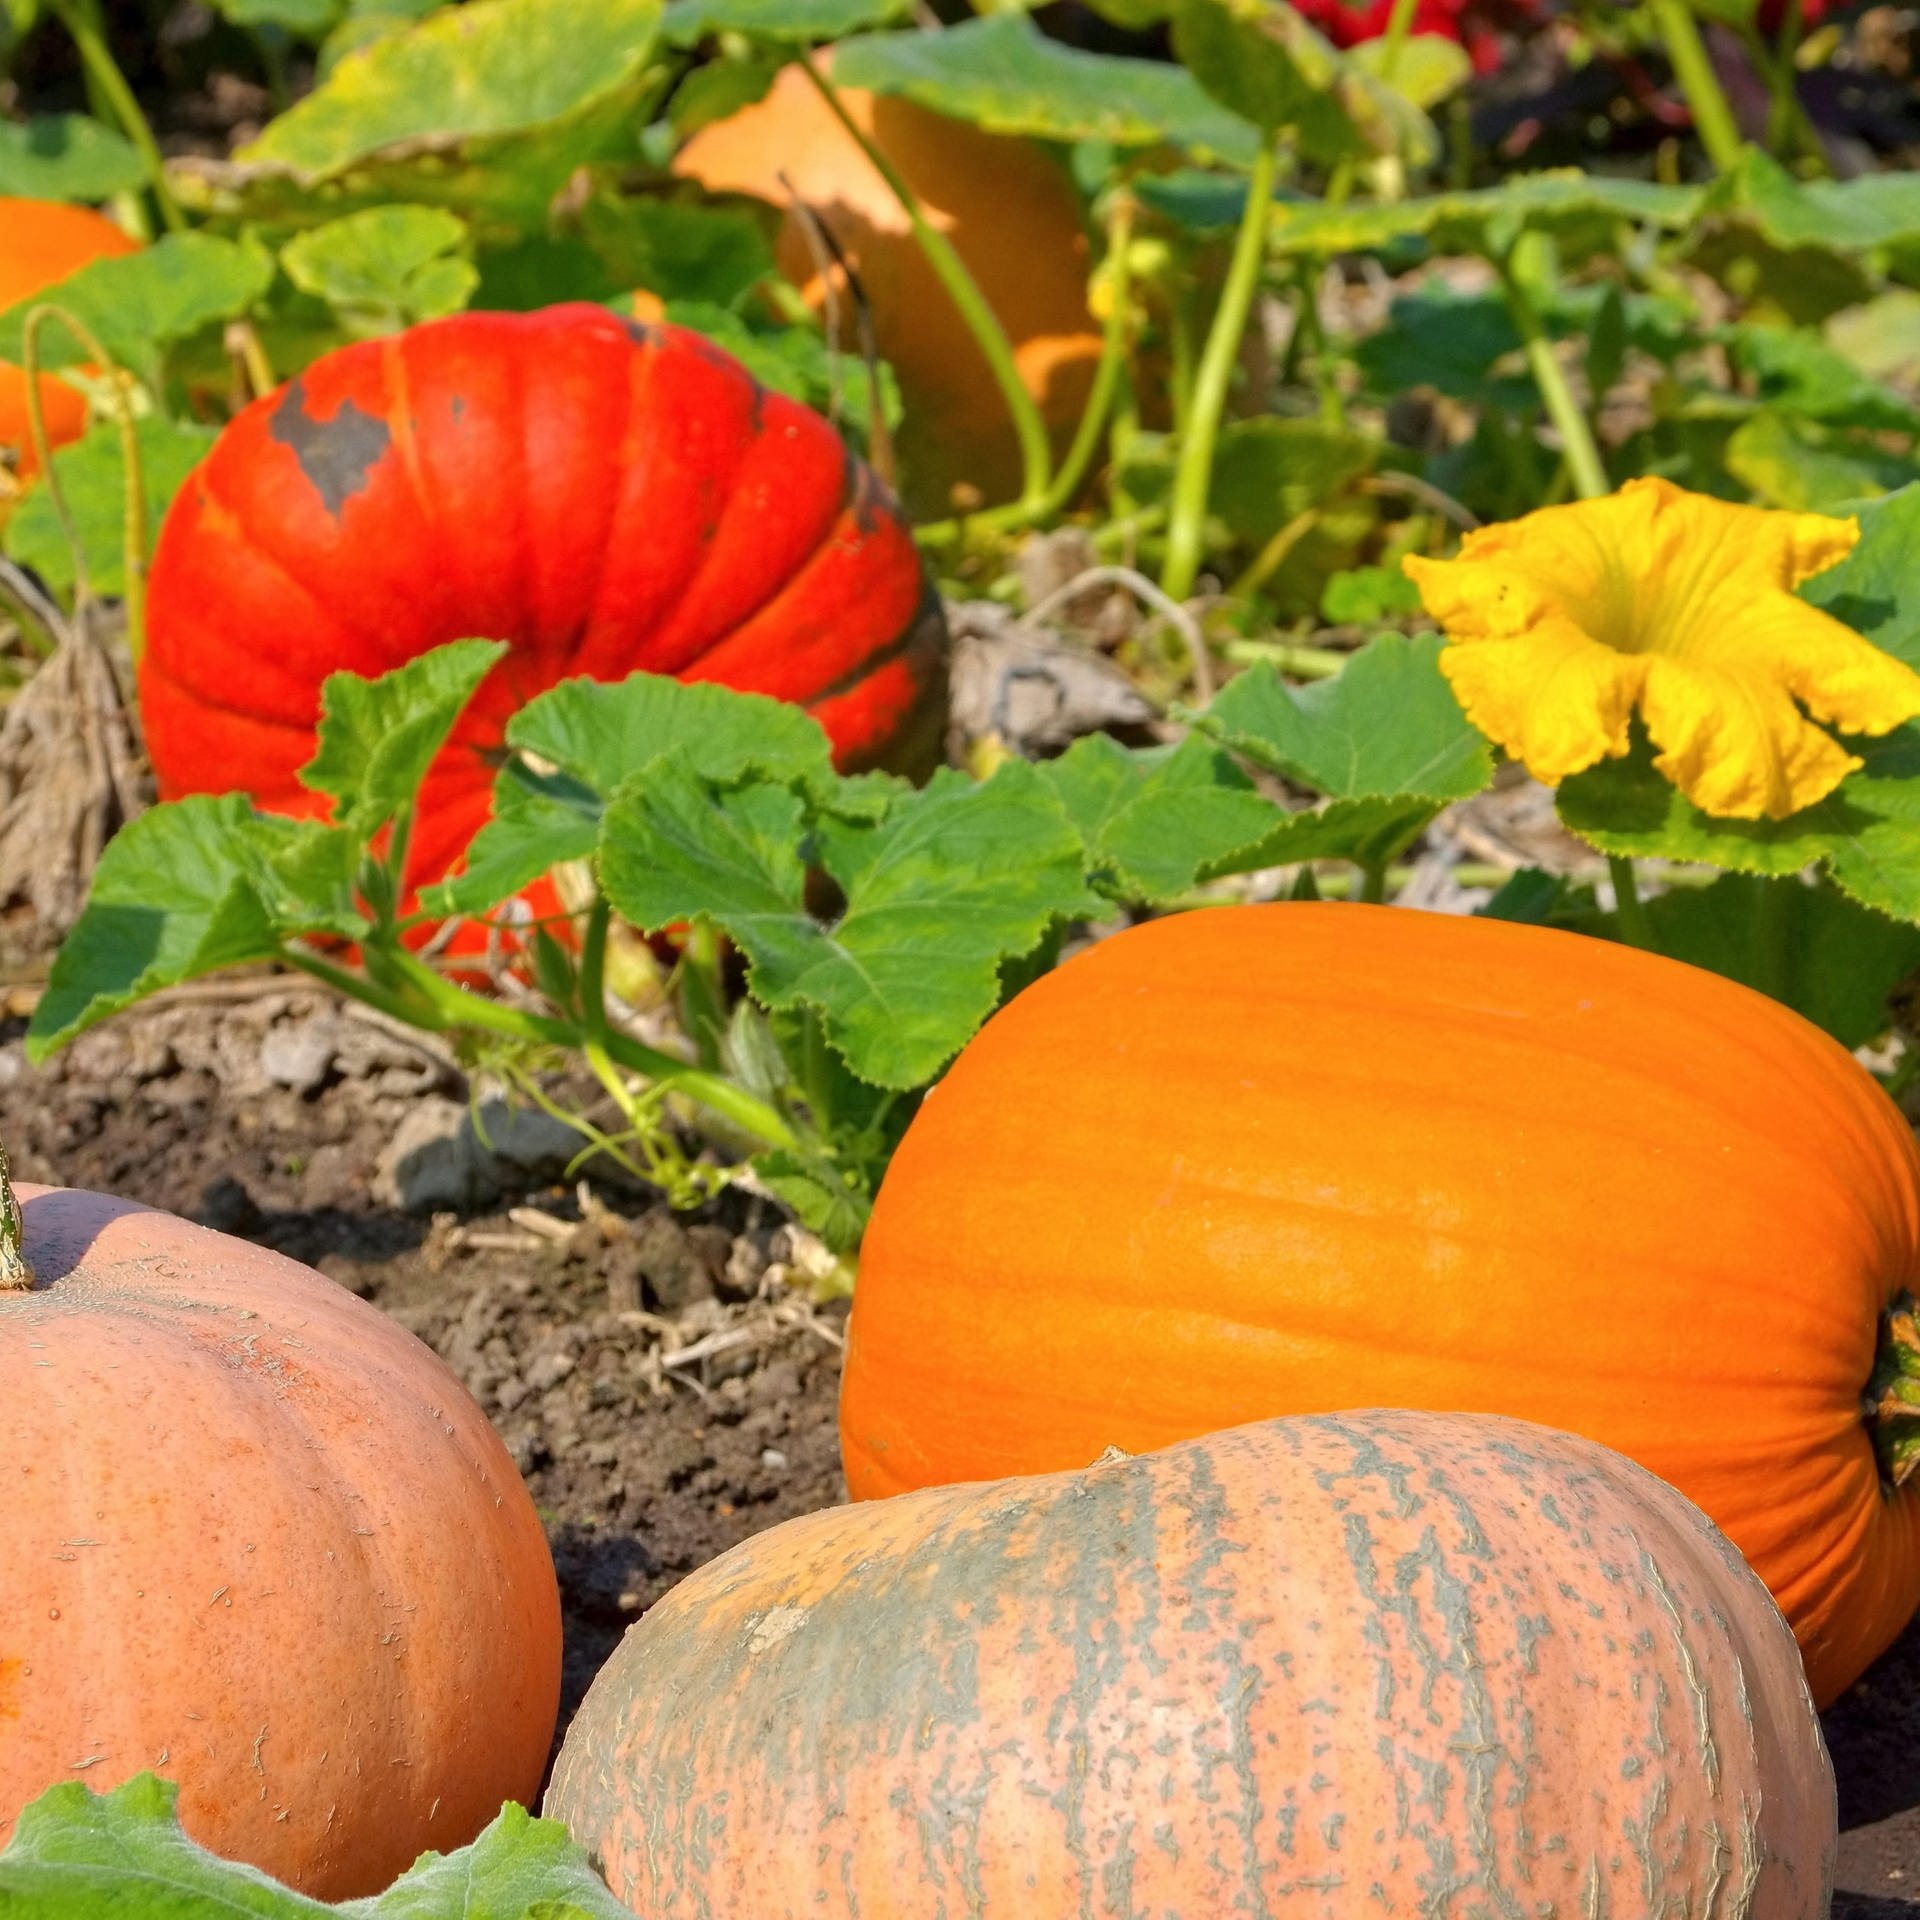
[(641, 1472)]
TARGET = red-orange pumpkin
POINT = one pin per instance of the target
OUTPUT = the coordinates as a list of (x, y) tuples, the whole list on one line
[(1381, 1662), (607, 497), (1280, 1159), (259, 1540), (41, 242)]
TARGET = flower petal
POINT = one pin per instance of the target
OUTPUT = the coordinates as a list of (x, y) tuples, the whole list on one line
[(1554, 699), (1735, 744), (1840, 677)]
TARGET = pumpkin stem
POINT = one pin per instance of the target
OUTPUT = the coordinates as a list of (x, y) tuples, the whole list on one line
[(1893, 1392), (15, 1274)]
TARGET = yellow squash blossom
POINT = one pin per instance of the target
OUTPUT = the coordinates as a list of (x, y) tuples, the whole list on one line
[(1560, 624)]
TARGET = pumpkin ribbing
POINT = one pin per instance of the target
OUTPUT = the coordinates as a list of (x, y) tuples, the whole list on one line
[(1377, 1661), (607, 497), (1277, 1159), (260, 1540)]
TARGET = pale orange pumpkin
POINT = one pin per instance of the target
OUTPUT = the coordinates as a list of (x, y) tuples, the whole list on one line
[(1375, 1662), (1011, 215), (1280, 1159), (258, 1540), (41, 243)]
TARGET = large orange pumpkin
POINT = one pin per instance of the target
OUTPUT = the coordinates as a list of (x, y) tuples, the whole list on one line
[(1279, 1159), (259, 1540), (1381, 1662), (41, 242), (1012, 217)]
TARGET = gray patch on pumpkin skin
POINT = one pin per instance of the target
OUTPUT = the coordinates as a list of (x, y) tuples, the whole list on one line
[(338, 455)]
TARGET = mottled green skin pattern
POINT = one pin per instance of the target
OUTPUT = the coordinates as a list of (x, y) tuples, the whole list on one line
[(1376, 1662)]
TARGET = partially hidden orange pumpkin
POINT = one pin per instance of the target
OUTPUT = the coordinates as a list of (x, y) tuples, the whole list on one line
[(1280, 1159), (1012, 216), (41, 243), (260, 1541), (1379, 1662)]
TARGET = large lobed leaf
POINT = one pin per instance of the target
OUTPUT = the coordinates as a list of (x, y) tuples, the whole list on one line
[(138, 303), (1386, 725), (205, 883), (121, 1855), (590, 738), (66, 156), (952, 881), (491, 68), (1483, 219), (1003, 74), (93, 481), (186, 890)]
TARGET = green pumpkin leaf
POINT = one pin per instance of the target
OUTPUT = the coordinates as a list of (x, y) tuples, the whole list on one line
[(1372, 831), (488, 68), (304, 19), (186, 889), (121, 1855), (954, 880), (1790, 465), (680, 251), (1154, 820), (1470, 222), (1262, 61), (378, 737), (1806, 946), (93, 478), (1866, 834), (1386, 725), (139, 303), (686, 23), (66, 156), (385, 268), (1842, 216), (1003, 74), (1369, 596), (1797, 373), (589, 738), (1426, 68), (1876, 588)]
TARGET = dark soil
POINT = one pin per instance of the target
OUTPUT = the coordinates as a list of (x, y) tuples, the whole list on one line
[(267, 1114), (643, 1467)]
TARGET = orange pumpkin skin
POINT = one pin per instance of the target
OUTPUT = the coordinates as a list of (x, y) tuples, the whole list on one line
[(1010, 213), (260, 1540), (1389, 1662), (1277, 1159), (41, 242)]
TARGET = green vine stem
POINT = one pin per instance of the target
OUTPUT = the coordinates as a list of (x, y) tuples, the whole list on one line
[(16, 1276), (1629, 909), (1106, 372), (83, 23), (1712, 117), (133, 525), (430, 1000), (1892, 1408), (1399, 23), (1036, 449), (1582, 453), (1187, 528)]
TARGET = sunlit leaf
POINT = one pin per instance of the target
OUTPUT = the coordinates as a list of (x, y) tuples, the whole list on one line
[(1003, 74), (385, 268), (66, 156)]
